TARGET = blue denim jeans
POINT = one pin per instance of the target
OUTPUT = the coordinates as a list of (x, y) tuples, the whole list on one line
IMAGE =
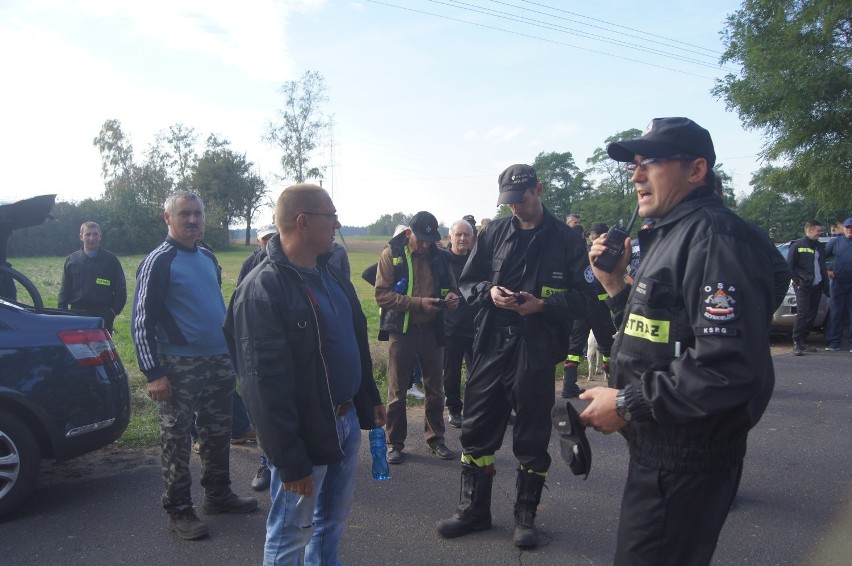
[(314, 523)]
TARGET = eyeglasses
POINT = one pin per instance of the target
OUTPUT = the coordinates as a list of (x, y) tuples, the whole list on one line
[(330, 216), (643, 165)]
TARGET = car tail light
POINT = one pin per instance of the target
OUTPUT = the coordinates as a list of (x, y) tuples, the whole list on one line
[(91, 347)]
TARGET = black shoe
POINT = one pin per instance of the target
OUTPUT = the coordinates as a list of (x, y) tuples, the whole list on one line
[(187, 525), (797, 350), (262, 479), (230, 503), (455, 420), (395, 456), (442, 452)]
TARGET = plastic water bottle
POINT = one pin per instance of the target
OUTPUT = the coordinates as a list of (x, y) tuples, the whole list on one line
[(401, 286), (379, 448)]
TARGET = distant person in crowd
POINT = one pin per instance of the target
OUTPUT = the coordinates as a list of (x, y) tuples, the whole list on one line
[(806, 259), (263, 234), (598, 322), (572, 220), (176, 325), (526, 274), (837, 229), (241, 417), (300, 342), (841, 287), (691, 371), (340, 259), (92, 279), (483, 223), (414, 285), (458, 324)]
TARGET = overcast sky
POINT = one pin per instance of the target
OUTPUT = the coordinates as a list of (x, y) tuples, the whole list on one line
[(431, 100)]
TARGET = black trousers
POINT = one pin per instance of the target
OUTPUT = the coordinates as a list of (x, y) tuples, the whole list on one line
[(807, 303), (601, 324), (456, 350), (501, 381), (673, 517)]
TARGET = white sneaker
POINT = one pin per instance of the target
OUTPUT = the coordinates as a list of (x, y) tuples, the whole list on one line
[(416, 393)]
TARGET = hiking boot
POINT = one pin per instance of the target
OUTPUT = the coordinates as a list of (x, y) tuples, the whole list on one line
[(229, 503), (529, 486), (455, 420), (262, 479), (474, 510), (569, 382), (187, 525)]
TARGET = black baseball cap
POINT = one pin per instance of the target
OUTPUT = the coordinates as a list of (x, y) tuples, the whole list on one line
[(599, 228), (665, 137), (425, 226), (574, 446), (514, 181)]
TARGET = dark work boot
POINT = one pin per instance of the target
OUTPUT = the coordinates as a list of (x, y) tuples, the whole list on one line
[(797, 349), (569, 382), (474, 511), (529, 487)]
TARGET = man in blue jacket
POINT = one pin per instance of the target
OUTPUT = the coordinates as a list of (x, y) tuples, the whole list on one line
[(841, 286), (177, 320)]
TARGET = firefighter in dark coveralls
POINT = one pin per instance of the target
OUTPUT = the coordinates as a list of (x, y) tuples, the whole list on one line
[(525, 275), (691, 371)]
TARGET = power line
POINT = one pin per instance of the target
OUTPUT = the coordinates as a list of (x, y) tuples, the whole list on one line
[(669, 39), (529, 36), (571, 31)]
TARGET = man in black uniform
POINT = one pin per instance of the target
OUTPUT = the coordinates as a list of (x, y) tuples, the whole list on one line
[(93, 280), (810, 280), (458, 324), (599, 322), (526, 277), (691, 372)]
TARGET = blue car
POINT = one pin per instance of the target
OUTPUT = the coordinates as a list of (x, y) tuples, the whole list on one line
[(63, 389)]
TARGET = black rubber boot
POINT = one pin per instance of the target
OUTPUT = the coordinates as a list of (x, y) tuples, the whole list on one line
[(474, 511), (569, 381), (529, 487)]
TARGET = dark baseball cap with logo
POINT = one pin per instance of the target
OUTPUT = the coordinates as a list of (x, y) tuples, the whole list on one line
[(425, 226), (514, 181), (665, 137), (574, 446)]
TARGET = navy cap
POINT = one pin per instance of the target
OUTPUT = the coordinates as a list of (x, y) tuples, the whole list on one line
[(847, 223), (665, 137), (574, 446)]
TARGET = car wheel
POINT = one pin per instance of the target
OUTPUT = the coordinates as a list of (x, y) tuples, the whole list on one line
[(20, 458)]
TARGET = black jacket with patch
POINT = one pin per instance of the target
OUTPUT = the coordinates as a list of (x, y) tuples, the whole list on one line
[(555, 262), (692, 350), (801, 262)]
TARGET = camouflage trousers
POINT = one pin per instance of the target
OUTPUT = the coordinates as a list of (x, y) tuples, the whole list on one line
[(202, 390)]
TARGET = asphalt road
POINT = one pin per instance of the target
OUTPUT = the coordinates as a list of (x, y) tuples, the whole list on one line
[(794, 507)]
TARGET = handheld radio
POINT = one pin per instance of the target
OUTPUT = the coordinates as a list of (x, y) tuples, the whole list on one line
[(614, 245)]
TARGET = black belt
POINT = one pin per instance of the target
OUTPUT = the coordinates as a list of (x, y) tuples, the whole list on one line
[(343, 408), (510, 330)]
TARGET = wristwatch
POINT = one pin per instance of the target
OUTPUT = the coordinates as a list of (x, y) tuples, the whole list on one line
[(621, 406)]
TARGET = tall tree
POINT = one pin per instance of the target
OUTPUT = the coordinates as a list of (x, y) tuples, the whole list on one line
[(301, 126), (182, 140), (564, 183), (794, 84), (387, 223)]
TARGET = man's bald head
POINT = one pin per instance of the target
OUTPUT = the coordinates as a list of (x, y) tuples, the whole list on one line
[(295, 200)]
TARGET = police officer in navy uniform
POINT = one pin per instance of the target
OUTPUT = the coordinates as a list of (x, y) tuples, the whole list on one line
[(691, 372)]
